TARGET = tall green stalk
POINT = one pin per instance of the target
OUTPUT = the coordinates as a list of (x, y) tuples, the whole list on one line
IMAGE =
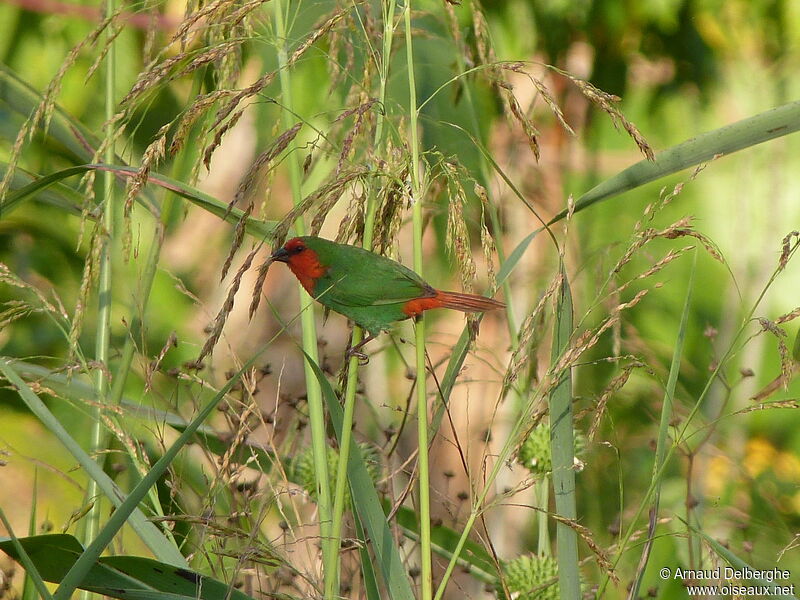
[(331, 583), (562, 444), (314, 393), (104, 292), (332, 572), (388, 8), (426, 574)]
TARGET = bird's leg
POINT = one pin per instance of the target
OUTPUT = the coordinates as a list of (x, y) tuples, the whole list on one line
[(363, 359)]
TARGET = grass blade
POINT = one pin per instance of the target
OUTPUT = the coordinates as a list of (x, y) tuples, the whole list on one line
[(24, 99), (255, 227), (473, 557), (118, 576), (366, 502), (151, 536), (128, 507), (371, 589), (31, 572), (511, 262), (754, 130), (30, 587), (58, 194), (663, 429), (562, 442), (41, 184), (247, 452)]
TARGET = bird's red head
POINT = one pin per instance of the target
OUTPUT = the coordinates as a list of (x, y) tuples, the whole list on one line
[(302, 260)]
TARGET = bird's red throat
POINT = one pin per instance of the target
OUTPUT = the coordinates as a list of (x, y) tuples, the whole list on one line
[(307, 268)]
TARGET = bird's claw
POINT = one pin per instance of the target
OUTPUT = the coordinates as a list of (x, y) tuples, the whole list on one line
[(363, 359)]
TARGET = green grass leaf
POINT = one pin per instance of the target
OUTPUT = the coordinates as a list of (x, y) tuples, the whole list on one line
[(562, 442), (129, 506), (149, 533), (39, 185), (34, 582), (511, 262), (255, 227), (119, 576), (366, 502), (57, 194), (754, 130), (23, 99), (663, 432)]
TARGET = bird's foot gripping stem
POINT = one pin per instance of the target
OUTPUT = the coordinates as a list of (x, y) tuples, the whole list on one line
[(363, 359)]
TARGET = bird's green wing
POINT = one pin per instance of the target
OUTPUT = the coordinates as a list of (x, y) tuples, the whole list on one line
[(376, 284)]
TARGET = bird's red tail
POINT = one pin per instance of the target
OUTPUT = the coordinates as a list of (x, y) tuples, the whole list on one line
[(467, 302)]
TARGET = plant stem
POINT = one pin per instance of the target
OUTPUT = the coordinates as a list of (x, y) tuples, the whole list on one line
[(358, 333), (542, 501), (426, 574), (562, 448), (103, 336), (315, 407)]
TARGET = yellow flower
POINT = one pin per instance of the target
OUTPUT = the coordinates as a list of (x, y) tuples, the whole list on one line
[(717, 475), (759, 456), (787, 467)]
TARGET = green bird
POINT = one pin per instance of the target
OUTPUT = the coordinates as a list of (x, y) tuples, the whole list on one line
[(373, 291)]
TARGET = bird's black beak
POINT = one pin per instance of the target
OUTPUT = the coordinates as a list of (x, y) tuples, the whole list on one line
[(280, 255)]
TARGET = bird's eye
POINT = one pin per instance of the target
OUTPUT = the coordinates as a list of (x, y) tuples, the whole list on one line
[(299, 248)]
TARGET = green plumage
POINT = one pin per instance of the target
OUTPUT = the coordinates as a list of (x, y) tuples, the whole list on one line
[(368, 288)]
